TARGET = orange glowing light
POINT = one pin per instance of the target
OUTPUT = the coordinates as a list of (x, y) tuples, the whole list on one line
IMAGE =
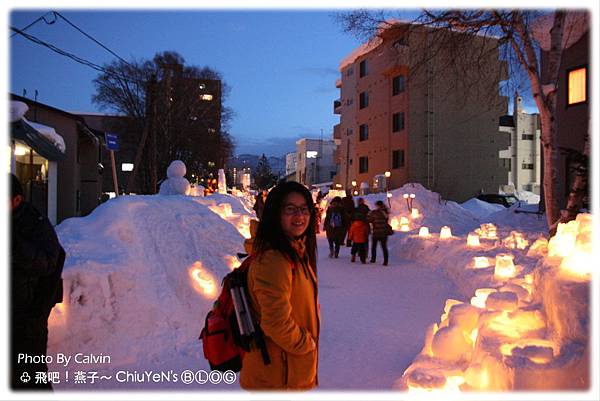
[(205, 282), (414, 213), (445, 232), (515, 240), (505, 267), (403, 220), (473, 240), (395, 224), (480, 297), (424, 232), (58, 315), (404, 227), (480, 262), (516, 324)]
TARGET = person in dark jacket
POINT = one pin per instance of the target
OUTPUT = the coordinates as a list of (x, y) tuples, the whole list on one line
[(259, 203), (379, 220), (335, 226), (348, 204), (37, 259), (362, 207)]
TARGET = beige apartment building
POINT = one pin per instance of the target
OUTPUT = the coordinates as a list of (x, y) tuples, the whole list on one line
[(524, 153), (421, 113)]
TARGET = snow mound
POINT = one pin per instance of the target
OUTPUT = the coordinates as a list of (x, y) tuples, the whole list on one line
[(141, 273), (481, 209)]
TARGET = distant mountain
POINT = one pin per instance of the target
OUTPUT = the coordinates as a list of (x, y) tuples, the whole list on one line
[(246, 160)]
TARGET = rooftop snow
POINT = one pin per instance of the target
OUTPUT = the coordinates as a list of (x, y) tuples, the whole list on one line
[(50, 134)]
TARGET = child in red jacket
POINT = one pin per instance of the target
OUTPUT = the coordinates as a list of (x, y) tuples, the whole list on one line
[(359, 235)]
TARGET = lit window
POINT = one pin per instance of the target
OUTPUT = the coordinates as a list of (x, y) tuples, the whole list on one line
[(311, 154), (577, 86), (206, 97)]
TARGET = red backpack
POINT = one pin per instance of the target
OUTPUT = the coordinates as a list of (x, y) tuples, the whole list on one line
[(230, 326)]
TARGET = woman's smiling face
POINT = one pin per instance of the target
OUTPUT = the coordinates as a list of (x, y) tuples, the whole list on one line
[(295, 215)]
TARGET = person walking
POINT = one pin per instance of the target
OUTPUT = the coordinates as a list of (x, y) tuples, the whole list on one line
[(283, 289), (259, 203), (334, 225), (359, 235), (379, 220), (348, 204), (36, 263)]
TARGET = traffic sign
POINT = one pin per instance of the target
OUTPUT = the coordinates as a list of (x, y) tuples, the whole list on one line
[(112, 141)]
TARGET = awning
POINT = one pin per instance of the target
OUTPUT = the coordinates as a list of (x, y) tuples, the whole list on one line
[(21, 130)]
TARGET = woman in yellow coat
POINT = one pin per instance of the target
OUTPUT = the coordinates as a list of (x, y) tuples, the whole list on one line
[(282, 284)]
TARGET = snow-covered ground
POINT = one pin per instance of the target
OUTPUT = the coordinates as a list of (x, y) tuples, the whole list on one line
[(142, 272)]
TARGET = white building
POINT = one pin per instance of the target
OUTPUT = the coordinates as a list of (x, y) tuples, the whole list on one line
[(290, 163), (314, 161), (523, 156)]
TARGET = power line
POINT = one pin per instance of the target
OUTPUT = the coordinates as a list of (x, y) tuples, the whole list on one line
[(56, 13), (42, 18), (75, 57)]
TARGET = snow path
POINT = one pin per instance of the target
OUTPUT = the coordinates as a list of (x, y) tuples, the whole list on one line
[(373, 318)]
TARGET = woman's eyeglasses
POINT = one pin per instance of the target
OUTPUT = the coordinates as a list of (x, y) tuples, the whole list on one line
[(291, 210)]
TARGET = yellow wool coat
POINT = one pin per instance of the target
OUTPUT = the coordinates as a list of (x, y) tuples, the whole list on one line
[(284, 297)]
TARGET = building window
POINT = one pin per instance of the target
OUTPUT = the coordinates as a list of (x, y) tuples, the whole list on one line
[(364, 68), (527, 137), (397, 159), (397, 85), (349, 131), (349, 101), (527, 166), (364, 100), (397, 122), (363, 164), (363, 132), (577, 90), (349, 72)]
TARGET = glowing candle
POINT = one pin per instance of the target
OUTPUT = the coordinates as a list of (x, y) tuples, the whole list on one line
[(404, 227), (473, 240), (414, 213), (505, 267), (480, 262), (445, 232), (424, 232)]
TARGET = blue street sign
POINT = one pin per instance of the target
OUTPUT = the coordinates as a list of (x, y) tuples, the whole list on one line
[(112, 141)]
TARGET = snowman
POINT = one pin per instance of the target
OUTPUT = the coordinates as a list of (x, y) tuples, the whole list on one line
[(176, 183)]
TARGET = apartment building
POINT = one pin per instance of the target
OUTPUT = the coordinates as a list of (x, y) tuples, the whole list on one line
[(573, 98), (523, 156), (290, 163), (315, 161), (407, 109)]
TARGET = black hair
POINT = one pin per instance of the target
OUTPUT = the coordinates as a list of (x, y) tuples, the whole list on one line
[(379, 203), (270, 234), (15, 186), (337, 199)]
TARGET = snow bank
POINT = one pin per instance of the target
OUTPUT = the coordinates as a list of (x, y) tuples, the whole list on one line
[(523, 322), (481, 209), (140, 275)]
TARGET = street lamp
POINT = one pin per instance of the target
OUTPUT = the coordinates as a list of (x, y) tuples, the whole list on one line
[(353, 183), (387, 174)]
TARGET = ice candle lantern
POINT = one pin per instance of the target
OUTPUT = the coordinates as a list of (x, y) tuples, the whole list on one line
[(473, 240), (414, 213), (505, 267), (424, 232), (445, 232)]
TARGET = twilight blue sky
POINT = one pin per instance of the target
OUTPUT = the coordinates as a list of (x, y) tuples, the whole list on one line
[(281, 65)]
